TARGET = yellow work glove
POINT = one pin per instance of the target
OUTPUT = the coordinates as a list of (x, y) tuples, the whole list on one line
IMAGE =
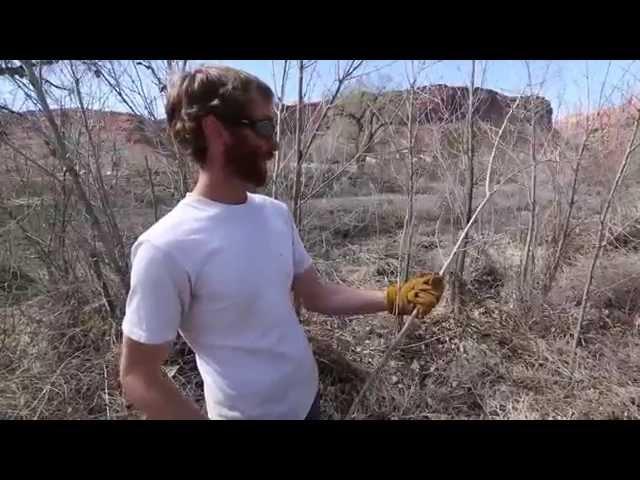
[(422, 292)]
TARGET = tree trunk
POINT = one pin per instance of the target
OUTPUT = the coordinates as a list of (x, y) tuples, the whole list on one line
[(528, 263), (458, 281), (63, 156), (407, 237), (278, 154), (297, 186)]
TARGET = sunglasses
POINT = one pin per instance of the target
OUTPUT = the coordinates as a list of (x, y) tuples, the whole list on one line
[(265, 128)]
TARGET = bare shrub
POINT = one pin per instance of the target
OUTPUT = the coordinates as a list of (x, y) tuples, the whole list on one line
[(347, 219), (485, 277), (615, 283)]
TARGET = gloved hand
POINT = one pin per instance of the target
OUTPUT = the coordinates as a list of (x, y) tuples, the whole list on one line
[(422, 292)]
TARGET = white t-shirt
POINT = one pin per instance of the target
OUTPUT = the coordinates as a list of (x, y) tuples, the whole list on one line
[(221, 276)]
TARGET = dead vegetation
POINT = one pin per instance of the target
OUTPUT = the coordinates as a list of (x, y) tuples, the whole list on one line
[(494, 366), (506, 353)]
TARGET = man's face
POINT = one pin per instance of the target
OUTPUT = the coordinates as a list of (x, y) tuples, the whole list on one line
[(247, 153)]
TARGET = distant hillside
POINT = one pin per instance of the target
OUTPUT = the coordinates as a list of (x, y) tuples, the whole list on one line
[(603, 119), (434, 104)]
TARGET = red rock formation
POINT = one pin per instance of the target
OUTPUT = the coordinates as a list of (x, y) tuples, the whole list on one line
[(444, 104)]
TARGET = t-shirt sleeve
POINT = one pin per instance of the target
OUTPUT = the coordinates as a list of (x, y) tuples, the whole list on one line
[(158, 296), (301, 258)]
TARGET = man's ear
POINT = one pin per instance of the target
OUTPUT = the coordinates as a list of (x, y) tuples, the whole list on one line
[(214, 130)]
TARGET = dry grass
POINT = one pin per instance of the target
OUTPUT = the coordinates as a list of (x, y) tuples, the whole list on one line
[(488, 366), (490, 363), (58, 362), (615, 286)]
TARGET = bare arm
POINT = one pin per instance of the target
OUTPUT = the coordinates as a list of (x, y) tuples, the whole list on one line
[(148, 388), (335, 299)]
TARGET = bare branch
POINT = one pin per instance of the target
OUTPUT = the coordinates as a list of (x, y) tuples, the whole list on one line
[(588, 131), (603, 218), (64, 156), (4, 139)]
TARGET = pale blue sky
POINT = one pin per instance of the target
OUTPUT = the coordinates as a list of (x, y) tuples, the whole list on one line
[(563, 82)]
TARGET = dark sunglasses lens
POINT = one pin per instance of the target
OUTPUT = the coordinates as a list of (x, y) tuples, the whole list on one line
[(265, 128)]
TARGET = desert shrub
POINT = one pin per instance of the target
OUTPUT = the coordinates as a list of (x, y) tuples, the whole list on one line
[(357, 217), (16, 285), (615, 284), (484, 276)]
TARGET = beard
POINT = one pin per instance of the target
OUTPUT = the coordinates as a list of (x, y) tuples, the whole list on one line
[(247, 161)]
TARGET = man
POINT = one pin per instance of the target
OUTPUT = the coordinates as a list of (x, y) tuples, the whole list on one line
[(220, 267)]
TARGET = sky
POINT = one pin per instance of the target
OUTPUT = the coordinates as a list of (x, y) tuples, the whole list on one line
[(563, 82)]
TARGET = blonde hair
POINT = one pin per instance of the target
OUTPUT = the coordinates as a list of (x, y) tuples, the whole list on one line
[(222, 91)]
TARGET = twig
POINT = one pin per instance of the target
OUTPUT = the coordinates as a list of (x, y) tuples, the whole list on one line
[(106, 392), (436, 237), (279, 113), (153, 188), (424, 342)]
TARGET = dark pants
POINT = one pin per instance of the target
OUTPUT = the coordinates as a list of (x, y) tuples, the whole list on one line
[(314, 411)]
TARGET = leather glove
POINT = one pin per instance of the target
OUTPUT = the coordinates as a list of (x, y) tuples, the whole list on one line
[(422, 292)]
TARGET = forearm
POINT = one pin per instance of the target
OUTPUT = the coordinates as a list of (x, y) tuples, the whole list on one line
[(158, 398), (338, 299)]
